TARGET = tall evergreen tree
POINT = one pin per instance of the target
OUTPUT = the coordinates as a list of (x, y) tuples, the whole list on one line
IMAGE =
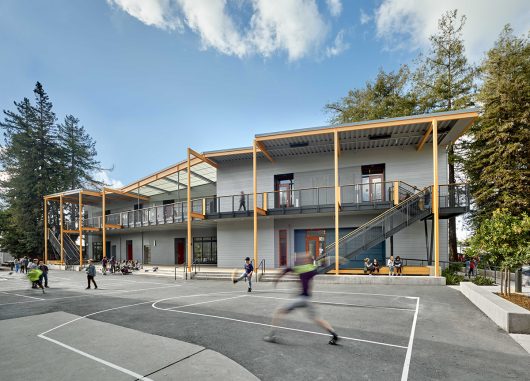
[(498, 158), (29, 158), (389, 95), (445, 81)]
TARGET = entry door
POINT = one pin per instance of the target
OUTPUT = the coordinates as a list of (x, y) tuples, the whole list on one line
[(283, 248), (129, 246), (312, 246), (373, 188), (285, 195), (180, 251)]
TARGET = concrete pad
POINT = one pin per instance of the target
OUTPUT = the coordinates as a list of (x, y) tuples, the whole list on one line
[(523, 340), (205, 365), (509, 316)]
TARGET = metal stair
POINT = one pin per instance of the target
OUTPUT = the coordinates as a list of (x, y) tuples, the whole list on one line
[(414, 208), (71, 250)]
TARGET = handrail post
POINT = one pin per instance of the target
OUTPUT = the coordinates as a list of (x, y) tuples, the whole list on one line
[(396, 192), (204, 206)]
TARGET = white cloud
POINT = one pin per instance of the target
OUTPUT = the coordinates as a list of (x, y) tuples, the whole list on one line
[(151, 12), (263, 27), (103, 176), (335, 7), (365, 17), (407, 24), (338, 46)]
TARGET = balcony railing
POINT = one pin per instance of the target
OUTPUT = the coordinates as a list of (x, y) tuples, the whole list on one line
[(319, 199)]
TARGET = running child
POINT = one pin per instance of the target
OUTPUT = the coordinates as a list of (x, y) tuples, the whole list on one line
[(247, 275), (306, 270)]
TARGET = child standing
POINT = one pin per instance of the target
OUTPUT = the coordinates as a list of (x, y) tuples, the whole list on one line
[(90, 274), (390, 264), (249, 269)]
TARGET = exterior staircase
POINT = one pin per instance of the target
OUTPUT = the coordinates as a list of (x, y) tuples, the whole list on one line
[(414, 208), (71, 250)]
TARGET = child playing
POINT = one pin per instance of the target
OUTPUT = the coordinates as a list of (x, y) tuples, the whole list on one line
[(249, 269)]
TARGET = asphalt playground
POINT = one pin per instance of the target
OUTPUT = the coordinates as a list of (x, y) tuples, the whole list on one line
[(155, 328)]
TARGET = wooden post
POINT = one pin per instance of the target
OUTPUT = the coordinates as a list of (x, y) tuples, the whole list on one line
[(80, 228), (435, 198), (104, 222), (45, 230), (189, 243), (337, 192), (396, 192), (255, 190), (61, 227)]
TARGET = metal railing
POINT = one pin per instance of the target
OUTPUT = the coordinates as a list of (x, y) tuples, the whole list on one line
[(262, 267), (195, 264), (378, 229)]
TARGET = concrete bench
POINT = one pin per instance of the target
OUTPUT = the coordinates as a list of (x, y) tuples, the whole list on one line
[(509, 316)]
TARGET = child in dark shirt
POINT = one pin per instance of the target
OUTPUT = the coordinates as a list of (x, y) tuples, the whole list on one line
[(247, 275)]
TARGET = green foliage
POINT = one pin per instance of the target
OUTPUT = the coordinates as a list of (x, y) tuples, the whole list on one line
[(481, 280), (33, 157), (498, 157), (451, 276), (503, 239), (387, 96)]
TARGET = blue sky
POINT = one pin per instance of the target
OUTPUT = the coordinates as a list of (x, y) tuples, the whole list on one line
[(149, 78)]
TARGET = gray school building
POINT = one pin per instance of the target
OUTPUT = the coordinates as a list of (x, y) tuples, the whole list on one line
[(367, 189)]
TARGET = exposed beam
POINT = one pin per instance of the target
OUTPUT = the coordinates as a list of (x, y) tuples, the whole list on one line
[(202, 177), (204, 158), (180, 185), (161, 174), (90, 229), (262, 148), (424, 138), (435, 199), (127, 194), (113, 226), (156, 188), (68, 231), (229, 152), (198, 215)]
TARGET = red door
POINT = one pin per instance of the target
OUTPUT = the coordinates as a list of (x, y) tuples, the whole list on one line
[(129, 250), (180, 250)]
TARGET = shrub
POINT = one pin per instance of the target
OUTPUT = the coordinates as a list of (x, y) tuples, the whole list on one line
[(481, 280), (452, 278)]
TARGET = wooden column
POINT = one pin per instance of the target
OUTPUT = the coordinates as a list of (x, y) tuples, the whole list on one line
[(104, 222), (61, 227), (189, 243), (337, 194), (435, 198), (45, 230), (255, 191), (80, 228)]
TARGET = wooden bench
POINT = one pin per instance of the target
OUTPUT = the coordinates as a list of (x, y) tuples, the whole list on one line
[(407, 270)]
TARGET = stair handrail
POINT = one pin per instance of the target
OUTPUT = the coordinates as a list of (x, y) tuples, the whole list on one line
[(262, 266), (378, 217)]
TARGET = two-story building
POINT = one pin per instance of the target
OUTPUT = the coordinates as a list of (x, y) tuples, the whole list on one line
[(343, 192)]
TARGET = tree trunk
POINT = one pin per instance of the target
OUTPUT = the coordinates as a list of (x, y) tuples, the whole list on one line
[(453, 249), (502, 282)]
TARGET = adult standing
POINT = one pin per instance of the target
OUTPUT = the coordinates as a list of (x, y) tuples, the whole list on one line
[(17, 265), (242, 202), (44, 268), (112, 264), (90, 274)]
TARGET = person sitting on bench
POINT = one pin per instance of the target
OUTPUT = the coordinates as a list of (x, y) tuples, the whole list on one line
[(368, 266), (398, 265)]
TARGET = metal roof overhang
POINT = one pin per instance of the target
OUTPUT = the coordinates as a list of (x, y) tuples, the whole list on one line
[(395, 132)]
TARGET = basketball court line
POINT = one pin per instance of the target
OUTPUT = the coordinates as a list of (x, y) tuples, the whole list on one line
[(339, 304), (100, 360), (24, 296), (154, 305), (406, 366)]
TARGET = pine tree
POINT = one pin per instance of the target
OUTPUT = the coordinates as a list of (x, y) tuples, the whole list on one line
[(446, 81), (29, 159), (498, 159), (387, 96)]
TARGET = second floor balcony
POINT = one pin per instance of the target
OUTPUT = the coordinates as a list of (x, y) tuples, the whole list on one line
[(454, 200)]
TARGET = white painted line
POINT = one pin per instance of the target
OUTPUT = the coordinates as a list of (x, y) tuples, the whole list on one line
[(25, 296), (406, 366), (277, 327), (340, 304), (104, 362), (208, 301)]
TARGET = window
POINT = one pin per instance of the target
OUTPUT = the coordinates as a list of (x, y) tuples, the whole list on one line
[(97, 251), (205, 250), (283, 187)]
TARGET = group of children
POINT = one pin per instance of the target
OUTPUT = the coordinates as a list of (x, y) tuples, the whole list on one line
[(395, 266)]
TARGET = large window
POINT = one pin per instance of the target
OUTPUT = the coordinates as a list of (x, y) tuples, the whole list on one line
[(205, 250)]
